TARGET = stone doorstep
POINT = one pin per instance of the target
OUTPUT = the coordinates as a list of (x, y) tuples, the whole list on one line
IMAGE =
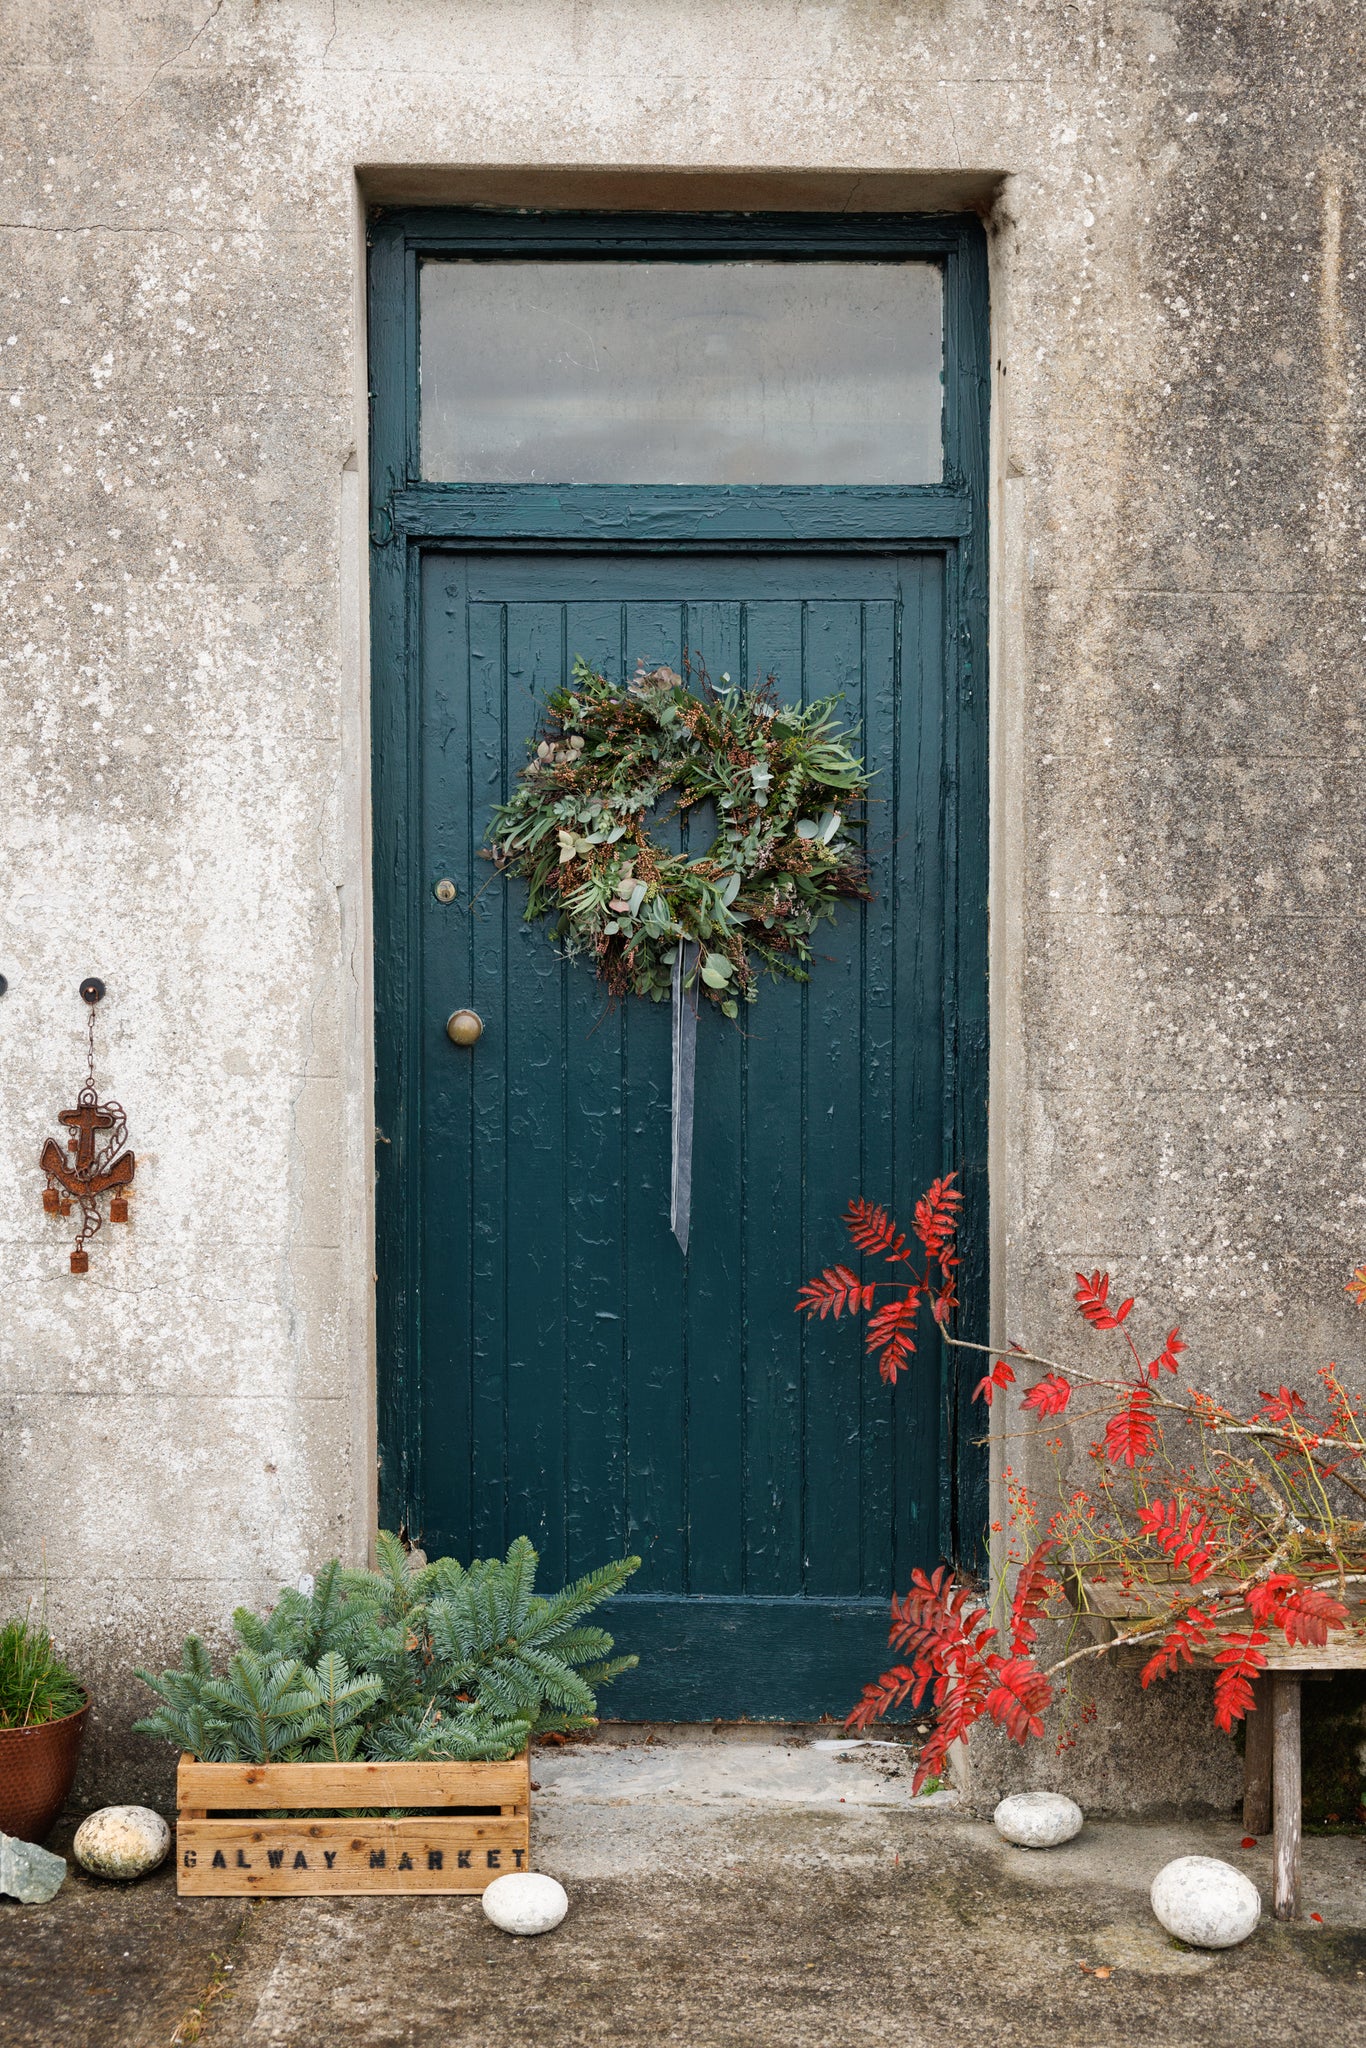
[(635, 1799), (749, 1766)]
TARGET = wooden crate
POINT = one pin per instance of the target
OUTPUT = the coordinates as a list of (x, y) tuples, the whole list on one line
[(231, 1834)]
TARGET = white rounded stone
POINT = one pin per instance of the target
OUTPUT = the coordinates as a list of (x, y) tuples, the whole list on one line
[(524, 1902), (1205, 1902), (1038, 1820), (121, 1841)]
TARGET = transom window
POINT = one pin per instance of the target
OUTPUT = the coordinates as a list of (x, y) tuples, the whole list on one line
[(566, 371)]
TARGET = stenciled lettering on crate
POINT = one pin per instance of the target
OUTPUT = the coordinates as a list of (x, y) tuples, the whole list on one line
[(378, 1859), (274, 1829)]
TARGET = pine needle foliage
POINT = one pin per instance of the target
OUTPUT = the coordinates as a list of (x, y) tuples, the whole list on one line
[(35, 1686), (412, 1661)]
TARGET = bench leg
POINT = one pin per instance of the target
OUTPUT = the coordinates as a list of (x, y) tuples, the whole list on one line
[(1286, 1777), (1257, 1761)]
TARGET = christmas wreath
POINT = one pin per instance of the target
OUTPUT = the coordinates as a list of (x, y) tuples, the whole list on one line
[(581, 828)]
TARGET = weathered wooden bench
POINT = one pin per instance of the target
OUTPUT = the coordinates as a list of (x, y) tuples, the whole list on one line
[(1272, 1785)]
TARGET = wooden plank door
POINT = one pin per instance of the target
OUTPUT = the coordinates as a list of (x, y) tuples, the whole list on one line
[(582, 1380), (776, 464)]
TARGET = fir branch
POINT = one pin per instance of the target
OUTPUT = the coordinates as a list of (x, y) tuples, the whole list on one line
[(439, 1660)]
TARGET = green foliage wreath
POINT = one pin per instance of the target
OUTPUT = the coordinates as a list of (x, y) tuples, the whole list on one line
[(782, 778)]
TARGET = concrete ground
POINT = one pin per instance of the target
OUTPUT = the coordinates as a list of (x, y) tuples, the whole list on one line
[(733, 1890)]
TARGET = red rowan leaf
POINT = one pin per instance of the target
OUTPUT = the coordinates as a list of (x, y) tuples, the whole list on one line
[(1132, 1433), (893, 1316), (1001, 1375), (1093, 1299), (1190, 1633), (1245, 1652), (936, 1215), (874, 1231), (1166, 1358), (1032, 1590), (1050, 1396), (960, 1701), (1304, 1614), (883, 1695), (891, 1332), (944, 1301), (1234, 1699), (944, 1627), (1019, 1698), (835, 1289), (1266, 1599), (1356, 1286), (1309, 1614), (1186, 1537), (1282, 1406), (1240, 1660), (939, 1617)]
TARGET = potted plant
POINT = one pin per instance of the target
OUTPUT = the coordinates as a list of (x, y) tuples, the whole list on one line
[(43, 1709), (371, 1734)]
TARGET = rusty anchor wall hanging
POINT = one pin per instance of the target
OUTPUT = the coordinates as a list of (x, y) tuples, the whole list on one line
[(97, 1165)]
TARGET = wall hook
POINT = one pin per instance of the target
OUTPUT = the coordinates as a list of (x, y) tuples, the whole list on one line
[(92, 990)]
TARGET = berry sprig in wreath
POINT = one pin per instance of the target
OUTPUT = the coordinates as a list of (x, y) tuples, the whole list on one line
[(782, 778)]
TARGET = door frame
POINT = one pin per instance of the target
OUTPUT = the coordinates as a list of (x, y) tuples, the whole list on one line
[(409, 517)]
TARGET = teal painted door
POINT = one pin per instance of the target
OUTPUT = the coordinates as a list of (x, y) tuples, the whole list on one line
[(548, 1361), (582, 1380)]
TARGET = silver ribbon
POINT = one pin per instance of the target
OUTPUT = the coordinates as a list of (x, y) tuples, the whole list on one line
[(684, 1068)]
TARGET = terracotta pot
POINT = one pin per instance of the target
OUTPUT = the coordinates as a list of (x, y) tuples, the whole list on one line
[(37, 1766)]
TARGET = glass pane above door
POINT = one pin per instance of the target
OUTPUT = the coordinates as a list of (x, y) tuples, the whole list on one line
[(768, 372)]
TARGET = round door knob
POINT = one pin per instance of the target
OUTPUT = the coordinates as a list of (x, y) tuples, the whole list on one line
[(463, 1027)]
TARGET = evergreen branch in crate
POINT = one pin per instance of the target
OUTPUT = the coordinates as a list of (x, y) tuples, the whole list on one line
[(412, 1661)]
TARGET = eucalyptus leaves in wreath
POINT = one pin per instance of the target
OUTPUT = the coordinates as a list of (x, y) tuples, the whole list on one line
[(577, 827)]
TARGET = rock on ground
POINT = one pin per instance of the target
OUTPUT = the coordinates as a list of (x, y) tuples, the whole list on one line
[(1206, 1902), (1037, 1820), (525, 1902), (29, 1874), (121, 1842)]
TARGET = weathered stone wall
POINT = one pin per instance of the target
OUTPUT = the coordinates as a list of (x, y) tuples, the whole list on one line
[(1178, 620)]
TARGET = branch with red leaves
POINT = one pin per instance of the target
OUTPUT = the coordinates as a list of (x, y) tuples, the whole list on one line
[(874, 1234), (1218, 1530)]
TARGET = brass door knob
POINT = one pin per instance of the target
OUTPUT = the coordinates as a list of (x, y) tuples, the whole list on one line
[(464, 1027)]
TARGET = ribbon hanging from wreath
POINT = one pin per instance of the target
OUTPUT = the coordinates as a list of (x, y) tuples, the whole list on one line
[(610, 767)]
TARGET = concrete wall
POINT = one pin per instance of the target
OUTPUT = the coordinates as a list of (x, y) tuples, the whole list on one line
[(1178, 621)]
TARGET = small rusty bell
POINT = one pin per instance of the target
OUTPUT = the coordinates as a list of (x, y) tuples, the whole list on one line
[(51, 1201), (80, 1260), (118, 1209)]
